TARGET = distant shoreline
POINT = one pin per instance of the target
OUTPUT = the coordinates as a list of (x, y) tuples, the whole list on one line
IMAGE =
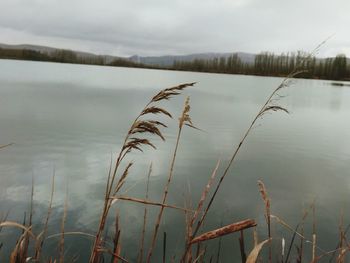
[(143, 66)]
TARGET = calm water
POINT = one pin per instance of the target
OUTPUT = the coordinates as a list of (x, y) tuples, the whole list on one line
[(70, 119)]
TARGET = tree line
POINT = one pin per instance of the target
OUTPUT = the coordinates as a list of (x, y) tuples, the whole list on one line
[(269, 64), (63, 56)]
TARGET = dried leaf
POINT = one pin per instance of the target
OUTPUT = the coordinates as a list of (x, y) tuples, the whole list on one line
[(14, 224), (255, 252)]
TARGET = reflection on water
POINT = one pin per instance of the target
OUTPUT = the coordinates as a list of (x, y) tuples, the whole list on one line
[(71, 120)]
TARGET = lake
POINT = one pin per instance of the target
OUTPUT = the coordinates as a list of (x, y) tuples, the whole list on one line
[(70, 120)]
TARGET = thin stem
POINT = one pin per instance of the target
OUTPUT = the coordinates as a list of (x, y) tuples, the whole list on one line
[(140, 259), (165, 195)]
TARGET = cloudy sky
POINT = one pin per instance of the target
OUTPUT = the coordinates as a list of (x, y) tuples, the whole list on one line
[(156, 27)]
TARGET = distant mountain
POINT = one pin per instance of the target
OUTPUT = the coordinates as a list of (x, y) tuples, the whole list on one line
[(163, 61)]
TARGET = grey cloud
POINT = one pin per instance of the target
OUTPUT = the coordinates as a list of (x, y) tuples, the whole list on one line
[(157, 27)]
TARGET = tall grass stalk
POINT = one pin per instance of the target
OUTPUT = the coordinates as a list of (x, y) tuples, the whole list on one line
[(183, 120)]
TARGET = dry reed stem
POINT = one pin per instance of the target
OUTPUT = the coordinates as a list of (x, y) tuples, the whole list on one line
[(219, 251), (188, 227), (24, 250), (266, 199), (105, 250), (314, 233), (140, 257), (138, 127), (199, 256), (16, 254), (255, 252), (242, 247), (291, 243), (117, 247), (184, 119), (73, 233), (116, 254), (41, 237), (198, 210), (205, 193), (61, 250), (148, 202), (301, 247), (6, 145), (341, 256), (164, 247), (238, 226), (255, 237)]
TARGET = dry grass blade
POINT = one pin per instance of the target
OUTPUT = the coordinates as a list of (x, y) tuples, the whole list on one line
[(6, 145), (198, 210), (62, 229), (75, 233), (17, 255), (242, 247), (164, 247), (41, 237), (224, 230), (205, 193), (255, 237), (341, 256), (104, 250), (16, 225), (117, 247), (148, 202), (313, 232), (291, 243), (255, 252), (26, 241), (200, 255)]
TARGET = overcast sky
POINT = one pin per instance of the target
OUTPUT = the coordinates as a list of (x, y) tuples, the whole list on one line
[(158, 27)]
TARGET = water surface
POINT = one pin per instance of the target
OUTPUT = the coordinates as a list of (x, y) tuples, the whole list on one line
[(69, 120)]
